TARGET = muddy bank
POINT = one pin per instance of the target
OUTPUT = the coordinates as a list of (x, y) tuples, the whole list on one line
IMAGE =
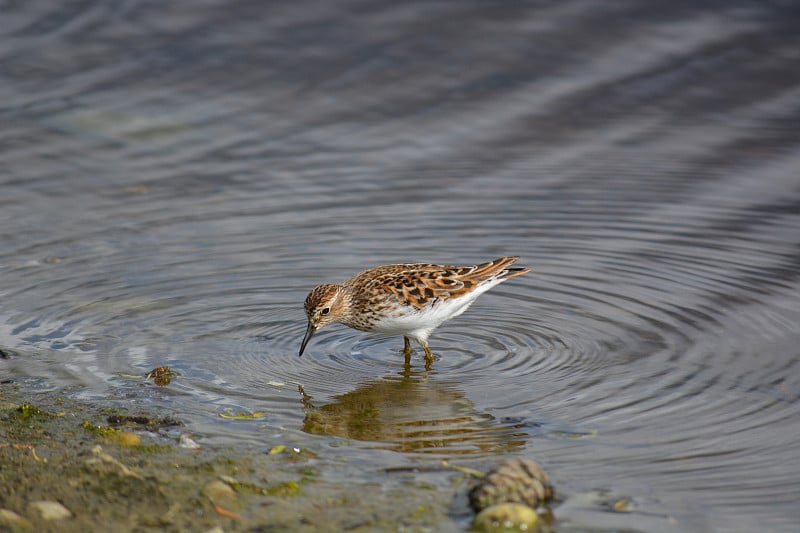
[(69, 466)]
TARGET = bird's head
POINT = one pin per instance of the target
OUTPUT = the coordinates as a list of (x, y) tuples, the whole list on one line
[(324, 305)]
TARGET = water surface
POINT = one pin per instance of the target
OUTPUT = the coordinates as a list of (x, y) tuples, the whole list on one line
[(174, 180)]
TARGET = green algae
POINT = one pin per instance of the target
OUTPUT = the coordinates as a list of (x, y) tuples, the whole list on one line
[(103, 431), (27, 411), (156, 486), (287, 488)]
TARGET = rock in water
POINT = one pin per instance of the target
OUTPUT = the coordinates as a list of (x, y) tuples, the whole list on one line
[(512, 481)]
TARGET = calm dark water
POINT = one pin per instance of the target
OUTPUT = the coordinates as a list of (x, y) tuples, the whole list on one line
[(174, 178)]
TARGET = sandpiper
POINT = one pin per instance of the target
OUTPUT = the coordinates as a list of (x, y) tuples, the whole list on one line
[(406, 299)]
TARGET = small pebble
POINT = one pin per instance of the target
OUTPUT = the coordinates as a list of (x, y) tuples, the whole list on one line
[(186, 441), (216, 489), (50, 510), (10, 518), (103, 463), (625, 505)]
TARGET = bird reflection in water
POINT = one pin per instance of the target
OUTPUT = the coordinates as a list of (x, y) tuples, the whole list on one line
[(411, 412)]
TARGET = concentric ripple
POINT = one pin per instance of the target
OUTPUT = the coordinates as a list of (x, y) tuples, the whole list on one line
[(175, 181)]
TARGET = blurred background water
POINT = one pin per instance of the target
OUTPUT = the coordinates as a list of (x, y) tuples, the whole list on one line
[(175, 177)]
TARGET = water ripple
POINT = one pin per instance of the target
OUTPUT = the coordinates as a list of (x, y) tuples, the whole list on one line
[(175, 181)]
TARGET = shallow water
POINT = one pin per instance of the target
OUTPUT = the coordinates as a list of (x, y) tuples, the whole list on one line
[(175, 180)]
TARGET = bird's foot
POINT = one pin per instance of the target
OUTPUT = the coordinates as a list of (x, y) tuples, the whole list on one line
[(428, 353), (428, 357), (407, 352)]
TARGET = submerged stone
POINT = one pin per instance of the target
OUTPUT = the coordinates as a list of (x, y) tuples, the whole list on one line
[(506, 517)]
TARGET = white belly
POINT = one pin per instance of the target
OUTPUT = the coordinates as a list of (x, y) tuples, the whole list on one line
[(418, 324)]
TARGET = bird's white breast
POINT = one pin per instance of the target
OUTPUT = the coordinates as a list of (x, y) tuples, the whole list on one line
[(419, 323)]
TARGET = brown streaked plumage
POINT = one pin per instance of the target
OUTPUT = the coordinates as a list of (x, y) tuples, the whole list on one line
[(404, 299)]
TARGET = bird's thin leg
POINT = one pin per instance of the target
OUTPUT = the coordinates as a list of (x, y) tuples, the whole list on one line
[(407, 350), (428, 354)]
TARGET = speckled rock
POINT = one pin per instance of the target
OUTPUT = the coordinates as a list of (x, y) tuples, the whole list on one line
[(512, 481)]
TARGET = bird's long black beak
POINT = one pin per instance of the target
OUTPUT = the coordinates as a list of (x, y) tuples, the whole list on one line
[(309, 333)]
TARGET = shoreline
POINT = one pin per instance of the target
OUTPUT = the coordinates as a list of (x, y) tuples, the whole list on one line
[(106, 469)]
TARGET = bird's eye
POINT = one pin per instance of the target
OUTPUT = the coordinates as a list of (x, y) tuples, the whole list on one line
[(325, 311)]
